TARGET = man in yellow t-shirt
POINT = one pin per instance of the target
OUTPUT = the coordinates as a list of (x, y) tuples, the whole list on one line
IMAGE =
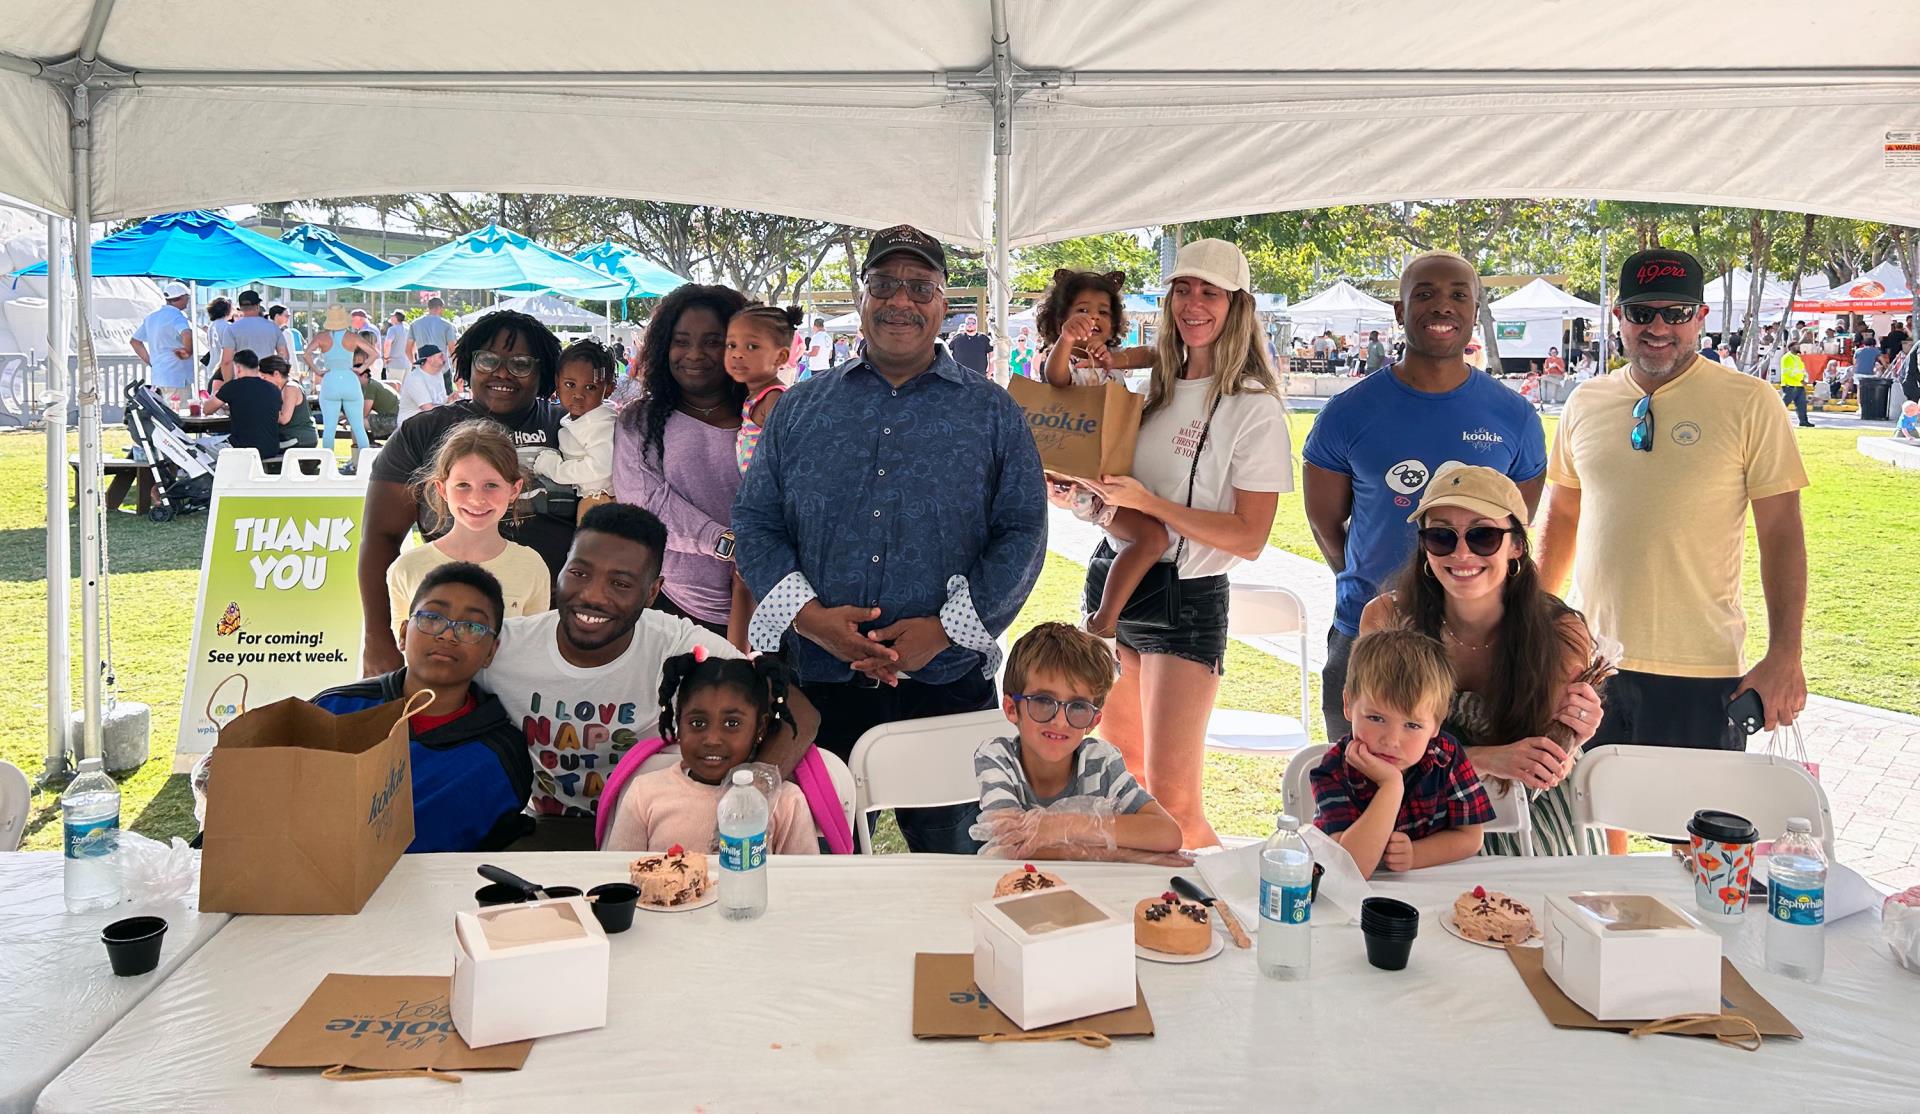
[(1652, 472), (1793, 382)]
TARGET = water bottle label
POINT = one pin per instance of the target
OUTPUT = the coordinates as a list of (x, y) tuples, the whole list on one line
[(1286, 904), (84, 842), (1807, 907), (743, 852)]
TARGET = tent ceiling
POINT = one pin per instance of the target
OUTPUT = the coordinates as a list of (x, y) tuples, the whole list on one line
[(869, 113)]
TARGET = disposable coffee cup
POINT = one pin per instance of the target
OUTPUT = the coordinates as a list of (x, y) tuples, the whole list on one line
[(1389, 928), (1722, 846), (613, 905), (133, 945)]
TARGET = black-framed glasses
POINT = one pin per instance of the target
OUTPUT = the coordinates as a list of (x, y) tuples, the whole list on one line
[(520, 367), (1643, 424), (464, 630), (1042, 709), (884, 287), (1672, 315), (1483, 541)]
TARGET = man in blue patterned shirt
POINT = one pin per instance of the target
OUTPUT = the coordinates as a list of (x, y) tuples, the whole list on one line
[(893, 523)]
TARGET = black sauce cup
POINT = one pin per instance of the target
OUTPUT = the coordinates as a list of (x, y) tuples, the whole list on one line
[(133, 945), (613, 905), (498, 893), (1389, 927)]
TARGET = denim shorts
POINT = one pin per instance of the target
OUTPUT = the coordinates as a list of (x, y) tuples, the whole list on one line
[(1200, 635)]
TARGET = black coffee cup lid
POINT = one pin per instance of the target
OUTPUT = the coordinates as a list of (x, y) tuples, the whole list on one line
[(1723, 827)]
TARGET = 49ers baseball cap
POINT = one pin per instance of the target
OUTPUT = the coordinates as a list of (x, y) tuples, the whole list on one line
[(1661, 275)]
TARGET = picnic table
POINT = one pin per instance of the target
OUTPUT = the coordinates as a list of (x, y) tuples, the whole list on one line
[(121, 473), (60, 996), (809, 1008)]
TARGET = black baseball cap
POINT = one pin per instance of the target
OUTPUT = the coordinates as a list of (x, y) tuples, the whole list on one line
[(426, 352), (905, 238), (249, 297), (1662, 275)]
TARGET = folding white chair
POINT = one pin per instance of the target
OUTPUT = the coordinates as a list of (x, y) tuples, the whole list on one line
[(843, 786), (1511, 813), (16, 799), (918, 763), (1295, 794), (1656, 790), (1264, 611)]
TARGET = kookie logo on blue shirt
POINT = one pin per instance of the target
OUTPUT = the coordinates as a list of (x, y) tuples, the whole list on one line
[(1483, 439)]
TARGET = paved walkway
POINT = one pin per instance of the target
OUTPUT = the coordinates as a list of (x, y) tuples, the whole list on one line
[(1869, 758)]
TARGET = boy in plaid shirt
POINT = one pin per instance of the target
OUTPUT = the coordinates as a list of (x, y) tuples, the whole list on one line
[(1398, 792)]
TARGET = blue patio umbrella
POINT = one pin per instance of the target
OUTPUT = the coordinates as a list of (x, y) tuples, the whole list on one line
[(322, 244), (495, 258), (644, 277), (207, 248)]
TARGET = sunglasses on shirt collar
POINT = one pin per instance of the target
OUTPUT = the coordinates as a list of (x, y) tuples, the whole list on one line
[(1643, 425)]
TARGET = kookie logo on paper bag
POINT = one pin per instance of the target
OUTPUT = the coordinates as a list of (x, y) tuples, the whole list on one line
[(1085, 432)]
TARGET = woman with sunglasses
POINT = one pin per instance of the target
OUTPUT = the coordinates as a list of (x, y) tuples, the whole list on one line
[(1515, 648)]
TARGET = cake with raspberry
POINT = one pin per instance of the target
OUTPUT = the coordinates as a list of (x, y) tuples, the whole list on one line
[(677, 877), (1168, 924), (1026, 880), (1492, 917)]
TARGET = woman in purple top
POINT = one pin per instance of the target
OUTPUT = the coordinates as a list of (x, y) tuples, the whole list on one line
[(673, 451)]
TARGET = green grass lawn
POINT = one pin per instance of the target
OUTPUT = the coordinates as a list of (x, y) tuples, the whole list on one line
[(1862, 522)]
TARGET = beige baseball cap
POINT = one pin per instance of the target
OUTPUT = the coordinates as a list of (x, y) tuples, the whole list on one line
[(1215, 261), (336, 318), (1475, 488)]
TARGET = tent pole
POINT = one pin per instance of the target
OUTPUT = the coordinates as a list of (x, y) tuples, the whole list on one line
[(89, 394), (1001, 275), (59, 540)]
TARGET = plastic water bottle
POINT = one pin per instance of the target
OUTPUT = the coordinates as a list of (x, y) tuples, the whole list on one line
[(1797, 904), (1285, 948), (743, 849), (90, 819)]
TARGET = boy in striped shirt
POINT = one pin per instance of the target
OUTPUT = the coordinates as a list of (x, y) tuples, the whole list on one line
[(1052, 786)]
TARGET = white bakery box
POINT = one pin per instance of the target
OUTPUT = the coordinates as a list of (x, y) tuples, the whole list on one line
[(529, 970), (1631, 956), (1052, 956)]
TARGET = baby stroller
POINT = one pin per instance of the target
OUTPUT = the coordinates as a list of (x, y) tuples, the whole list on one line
[(183, 469)]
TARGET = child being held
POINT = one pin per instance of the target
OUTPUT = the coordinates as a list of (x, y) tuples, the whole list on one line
[(1399, 793), (1081, 319), (584, 460), (759, 338), (1056, 680), (718, 711), (471, 768)]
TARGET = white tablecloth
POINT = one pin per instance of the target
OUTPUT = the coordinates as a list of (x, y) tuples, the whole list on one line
[(57, 994), (809, 1008)]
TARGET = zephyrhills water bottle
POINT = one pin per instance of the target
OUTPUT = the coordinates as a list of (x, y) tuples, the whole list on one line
[(1797, 904), (1286, 911), (743, 849), (90, 819)]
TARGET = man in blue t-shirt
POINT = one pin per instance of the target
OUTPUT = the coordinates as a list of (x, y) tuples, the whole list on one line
[(1373, 448)]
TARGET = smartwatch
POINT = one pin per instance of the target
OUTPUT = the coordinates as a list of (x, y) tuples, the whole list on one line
[(723, 548)]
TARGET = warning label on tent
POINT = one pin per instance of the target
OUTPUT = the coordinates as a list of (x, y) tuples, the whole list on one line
[(1903, 149)]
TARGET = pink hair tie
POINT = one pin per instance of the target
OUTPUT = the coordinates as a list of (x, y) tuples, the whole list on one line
[(699, 654)]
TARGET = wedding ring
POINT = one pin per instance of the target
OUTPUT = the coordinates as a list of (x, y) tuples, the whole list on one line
[(1581, 712)]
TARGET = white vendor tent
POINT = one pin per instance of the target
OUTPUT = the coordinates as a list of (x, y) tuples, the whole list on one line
[(973, 119), (1773, 298), (1341, 307), (1881, 290), (1529, 321), (119, 304), (550, 309)]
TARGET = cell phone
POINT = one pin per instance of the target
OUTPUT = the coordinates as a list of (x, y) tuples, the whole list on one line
[(1746, 711)]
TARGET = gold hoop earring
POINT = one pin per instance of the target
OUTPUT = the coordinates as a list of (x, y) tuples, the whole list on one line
[(1427, 567), (1513, 567)]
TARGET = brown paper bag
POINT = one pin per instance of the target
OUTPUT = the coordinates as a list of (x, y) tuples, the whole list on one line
[(1083, 432), (382, 1024), (306, 811), (1738, 999), (946, 1003)]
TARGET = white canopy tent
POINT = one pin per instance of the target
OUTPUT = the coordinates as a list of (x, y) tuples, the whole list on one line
[(119, 304), (549, 309), (1528, 321), (969, 118), (1341, 307)]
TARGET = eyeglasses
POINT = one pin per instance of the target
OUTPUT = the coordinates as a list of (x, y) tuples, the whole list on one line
[(1441, 541), (884, 287), (1643, 424), (1672, 315), (520, 367), (433, 623), (1042, 709)]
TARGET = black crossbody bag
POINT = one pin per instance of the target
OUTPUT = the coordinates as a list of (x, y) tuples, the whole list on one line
[(1155, 604)]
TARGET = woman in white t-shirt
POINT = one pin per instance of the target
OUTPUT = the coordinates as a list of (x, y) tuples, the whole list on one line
[(1212, 460)]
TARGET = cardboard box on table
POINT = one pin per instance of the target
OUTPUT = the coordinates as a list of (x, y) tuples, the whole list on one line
[(1083, 432), (1630, 956), (529, 970), (306, 811), (1052, 956)]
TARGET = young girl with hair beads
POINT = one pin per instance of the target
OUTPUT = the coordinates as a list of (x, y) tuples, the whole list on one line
[(717, 710), (758, 339), (472, 485)]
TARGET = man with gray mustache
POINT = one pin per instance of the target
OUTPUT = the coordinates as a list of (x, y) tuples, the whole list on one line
[(893, 523)]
